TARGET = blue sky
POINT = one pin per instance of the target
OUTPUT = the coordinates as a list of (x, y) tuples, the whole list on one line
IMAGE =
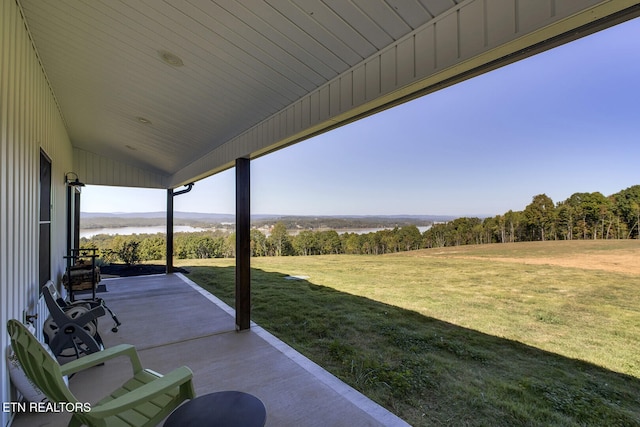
[(561, 122)]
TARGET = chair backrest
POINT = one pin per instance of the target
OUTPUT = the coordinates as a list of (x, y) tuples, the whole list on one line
[(51, 297), (52, 290), (38, 364)]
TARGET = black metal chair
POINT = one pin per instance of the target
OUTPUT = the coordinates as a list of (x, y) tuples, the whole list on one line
[(72, 327)]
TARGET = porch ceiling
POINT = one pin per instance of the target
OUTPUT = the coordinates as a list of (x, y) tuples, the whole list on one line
[(258, 75)]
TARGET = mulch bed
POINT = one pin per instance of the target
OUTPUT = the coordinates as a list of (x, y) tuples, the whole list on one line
[(123, 270)]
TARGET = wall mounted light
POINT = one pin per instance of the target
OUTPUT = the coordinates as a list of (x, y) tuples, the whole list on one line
[(72, 183)]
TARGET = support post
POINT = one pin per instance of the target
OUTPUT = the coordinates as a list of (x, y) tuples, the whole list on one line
[(69, 219), (243, 245), (170, 195), (169, 230)]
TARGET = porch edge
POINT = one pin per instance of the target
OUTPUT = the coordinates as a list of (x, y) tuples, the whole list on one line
[(367, 405)]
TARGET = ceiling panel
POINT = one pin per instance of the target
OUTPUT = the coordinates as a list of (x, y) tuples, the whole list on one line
[(242, 62)]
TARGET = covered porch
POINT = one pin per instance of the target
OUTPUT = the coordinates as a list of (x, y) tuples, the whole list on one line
[(173, 322), (163, 94)]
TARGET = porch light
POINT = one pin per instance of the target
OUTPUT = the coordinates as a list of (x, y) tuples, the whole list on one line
[(74, 183)]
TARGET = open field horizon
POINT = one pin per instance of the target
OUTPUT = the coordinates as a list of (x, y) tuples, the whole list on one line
[(561, 284)]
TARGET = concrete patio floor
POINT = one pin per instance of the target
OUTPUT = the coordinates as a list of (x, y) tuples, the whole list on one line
[(173, 322)]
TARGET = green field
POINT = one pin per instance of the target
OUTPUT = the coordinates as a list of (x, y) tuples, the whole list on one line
[(544, 333)]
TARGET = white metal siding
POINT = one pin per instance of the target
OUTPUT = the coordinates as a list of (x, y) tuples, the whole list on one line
[(29, 120), (96, 169)]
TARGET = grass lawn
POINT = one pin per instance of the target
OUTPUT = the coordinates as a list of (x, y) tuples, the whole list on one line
[(544, 333)]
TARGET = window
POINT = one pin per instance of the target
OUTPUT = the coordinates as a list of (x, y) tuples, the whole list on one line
[(44, 271)]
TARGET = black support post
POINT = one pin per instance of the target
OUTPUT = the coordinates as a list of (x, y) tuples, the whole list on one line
[(243, 245), (69, 219), (169, 230), (170, 195)]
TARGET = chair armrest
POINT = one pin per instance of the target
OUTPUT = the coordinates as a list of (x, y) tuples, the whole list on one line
[(89, 316), (143, 394), (99, 357)]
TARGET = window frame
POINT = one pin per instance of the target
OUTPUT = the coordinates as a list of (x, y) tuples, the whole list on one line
[(44, 220)]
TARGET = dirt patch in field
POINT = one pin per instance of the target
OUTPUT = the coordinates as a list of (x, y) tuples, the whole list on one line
[(619, 263), (615, 256)]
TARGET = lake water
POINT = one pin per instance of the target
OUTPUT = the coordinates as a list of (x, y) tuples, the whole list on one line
[(421, 229), (89, 233)]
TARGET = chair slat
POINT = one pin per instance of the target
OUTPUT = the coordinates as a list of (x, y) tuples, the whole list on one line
[(143, 400)]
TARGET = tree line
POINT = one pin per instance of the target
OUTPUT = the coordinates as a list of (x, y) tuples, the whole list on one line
[(132, 249), (581, 216)]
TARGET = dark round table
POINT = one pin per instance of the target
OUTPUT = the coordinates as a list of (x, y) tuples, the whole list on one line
[(224, 408)]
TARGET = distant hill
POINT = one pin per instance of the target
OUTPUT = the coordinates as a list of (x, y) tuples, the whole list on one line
[(93, 220), (204, 215), (161, 215)]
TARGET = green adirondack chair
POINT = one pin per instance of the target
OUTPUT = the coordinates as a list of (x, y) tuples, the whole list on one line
[(144, 400)]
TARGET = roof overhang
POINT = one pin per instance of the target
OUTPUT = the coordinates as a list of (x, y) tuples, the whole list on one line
[(159, 94)]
